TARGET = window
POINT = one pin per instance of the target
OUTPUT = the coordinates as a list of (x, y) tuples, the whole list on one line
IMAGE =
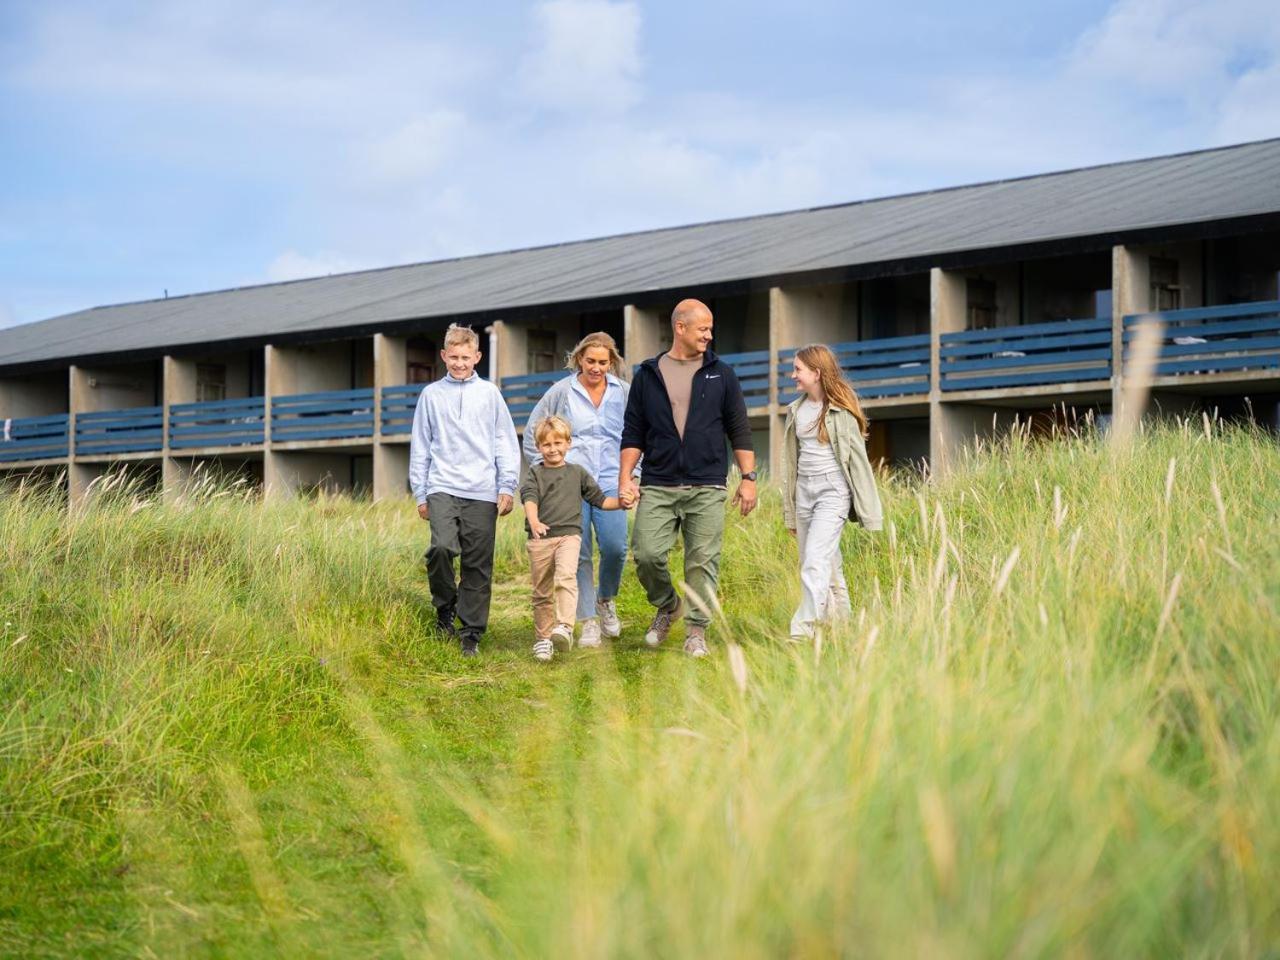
[(981, 298), (542, 351), (1166, 292), (211, 382)]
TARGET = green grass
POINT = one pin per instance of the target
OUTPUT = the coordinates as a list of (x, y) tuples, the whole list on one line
[(1050, 729)]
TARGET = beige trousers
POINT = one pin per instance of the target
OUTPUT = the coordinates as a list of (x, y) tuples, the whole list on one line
[(553, 568)]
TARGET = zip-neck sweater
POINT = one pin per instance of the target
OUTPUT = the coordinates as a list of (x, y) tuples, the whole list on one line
[(463, 442)]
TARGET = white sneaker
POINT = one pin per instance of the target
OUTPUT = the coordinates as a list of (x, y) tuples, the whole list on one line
[(564, 633), (607, 611), (590, 636), (543, 649)]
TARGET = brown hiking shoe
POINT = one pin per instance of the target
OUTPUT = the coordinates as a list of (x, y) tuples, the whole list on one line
[(661, 625)]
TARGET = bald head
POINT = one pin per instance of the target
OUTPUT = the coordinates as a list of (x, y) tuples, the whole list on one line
[(691, 323)]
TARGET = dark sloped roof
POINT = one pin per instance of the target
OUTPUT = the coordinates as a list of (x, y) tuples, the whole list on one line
[(1219, 184)]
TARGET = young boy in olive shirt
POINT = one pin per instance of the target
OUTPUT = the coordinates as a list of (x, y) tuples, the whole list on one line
[(552, 494)]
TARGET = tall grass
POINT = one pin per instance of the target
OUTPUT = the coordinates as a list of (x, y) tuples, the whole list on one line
[(1050, 728)]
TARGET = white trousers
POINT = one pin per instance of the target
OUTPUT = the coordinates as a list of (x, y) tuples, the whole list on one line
[(822, 506)]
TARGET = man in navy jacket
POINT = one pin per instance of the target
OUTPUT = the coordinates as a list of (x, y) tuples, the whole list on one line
[(685, 406)]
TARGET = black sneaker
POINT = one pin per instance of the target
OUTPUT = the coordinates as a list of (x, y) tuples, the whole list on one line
[(444, 621), (470, 644)]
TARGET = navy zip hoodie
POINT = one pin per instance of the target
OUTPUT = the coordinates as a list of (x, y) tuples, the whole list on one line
[(717, 412)]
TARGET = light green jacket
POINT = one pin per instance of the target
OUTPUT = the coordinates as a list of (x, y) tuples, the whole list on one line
[(851, 453)]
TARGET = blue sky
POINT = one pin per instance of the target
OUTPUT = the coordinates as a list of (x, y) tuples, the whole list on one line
[(196, 146)]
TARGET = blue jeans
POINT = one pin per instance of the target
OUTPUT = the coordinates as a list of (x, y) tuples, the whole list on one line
[(610, 528)]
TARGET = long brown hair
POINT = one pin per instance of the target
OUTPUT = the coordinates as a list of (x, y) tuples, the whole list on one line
[(598, 339), (835, 388)]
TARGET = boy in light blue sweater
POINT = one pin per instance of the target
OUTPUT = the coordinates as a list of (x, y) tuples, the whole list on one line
[(464, 463)]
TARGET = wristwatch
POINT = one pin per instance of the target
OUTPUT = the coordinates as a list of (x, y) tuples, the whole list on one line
[(750, 475)]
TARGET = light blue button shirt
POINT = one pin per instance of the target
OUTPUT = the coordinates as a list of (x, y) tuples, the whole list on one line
[(597, 431)]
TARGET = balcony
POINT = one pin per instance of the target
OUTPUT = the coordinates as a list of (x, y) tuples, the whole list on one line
[(753, 375), (34, 438), (1213, 340), (398, 405), (217, 423), (877, 369), (1037, 354), (106, 432), (332, 415), (522, 393)]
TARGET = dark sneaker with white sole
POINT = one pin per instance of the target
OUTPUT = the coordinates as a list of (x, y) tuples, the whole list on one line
[(470, 644), (660, 626)]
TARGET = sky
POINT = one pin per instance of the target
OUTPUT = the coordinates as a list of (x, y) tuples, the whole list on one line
[(189, 146)]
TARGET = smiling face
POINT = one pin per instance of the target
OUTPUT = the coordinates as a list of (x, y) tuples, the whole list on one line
[(692, 330), (807, 379), (593, 365), (460, 360), (553, 447)]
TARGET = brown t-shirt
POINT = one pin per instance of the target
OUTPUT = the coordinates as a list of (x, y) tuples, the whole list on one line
[(678, 376)]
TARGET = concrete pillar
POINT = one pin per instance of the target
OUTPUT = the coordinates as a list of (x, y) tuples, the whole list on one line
[(1130, 294), (390, 460), (645, 333), (179, 387), (79, 475), (510, 350), (947, 303)]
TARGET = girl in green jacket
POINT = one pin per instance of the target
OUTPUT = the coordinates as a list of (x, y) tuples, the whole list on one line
[(826, 479)]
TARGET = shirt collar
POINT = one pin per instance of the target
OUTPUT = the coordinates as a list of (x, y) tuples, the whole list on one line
[(609, 379), (452, 379)]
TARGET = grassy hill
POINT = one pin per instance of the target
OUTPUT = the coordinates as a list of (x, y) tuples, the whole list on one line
[(1052, 728)]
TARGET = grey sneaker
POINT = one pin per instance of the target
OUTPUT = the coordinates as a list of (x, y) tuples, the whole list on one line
[(607, 611), (470, 644), (543, 649), (590, 633), (660, 626), (695, 641)]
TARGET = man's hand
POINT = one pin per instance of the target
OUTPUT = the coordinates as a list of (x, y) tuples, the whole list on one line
[(745, 496), (628, 493), (424, 512), (505, 503), (538, 529)]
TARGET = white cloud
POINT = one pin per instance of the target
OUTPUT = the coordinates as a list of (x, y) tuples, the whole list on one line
[(587, 56), (292, 265), (413, 150)]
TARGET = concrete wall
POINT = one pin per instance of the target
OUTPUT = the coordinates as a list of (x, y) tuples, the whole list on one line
[(316, 368), (115, 388), (646, 333), (286, 472), (36, 395)]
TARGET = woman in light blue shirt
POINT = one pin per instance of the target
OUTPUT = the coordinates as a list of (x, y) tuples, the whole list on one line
[(593, 399)]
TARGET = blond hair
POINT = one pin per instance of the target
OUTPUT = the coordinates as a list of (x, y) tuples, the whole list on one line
[(835, 388), (617, 365), (457, 334), (552, 427)]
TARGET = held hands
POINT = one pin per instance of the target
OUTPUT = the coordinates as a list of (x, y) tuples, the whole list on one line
[(744, 498), (629, 494)]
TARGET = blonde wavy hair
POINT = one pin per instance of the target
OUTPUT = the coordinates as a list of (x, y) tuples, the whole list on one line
[(836, 389), (617, 365)]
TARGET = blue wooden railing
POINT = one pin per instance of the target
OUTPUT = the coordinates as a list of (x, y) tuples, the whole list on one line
[(1065, 351), (34, 438), (398, 404), (1240, 337), (216, 423), (888, 367), (135, 430), (332, 415), (753, 375), (522, 393)]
